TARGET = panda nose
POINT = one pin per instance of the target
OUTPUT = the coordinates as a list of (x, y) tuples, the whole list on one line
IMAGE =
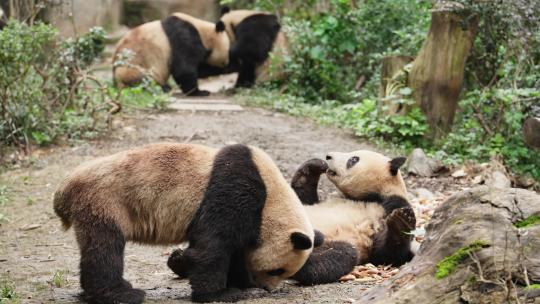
[(328, 157)]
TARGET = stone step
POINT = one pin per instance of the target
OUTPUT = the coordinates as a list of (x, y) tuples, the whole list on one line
[(198, 106)]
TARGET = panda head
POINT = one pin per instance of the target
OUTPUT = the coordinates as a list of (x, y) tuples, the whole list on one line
[(362, 173), (278, 258), (219, 54)]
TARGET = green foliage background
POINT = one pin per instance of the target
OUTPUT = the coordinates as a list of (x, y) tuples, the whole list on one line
[(336, 43)]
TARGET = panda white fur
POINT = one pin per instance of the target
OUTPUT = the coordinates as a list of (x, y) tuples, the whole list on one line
[(230, 204), (253, 35), (177, 45), (371, 213)]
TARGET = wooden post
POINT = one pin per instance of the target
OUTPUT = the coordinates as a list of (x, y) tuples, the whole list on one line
[(437, 73), (392, 71)]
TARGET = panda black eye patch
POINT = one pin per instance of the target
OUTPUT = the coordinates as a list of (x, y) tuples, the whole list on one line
[(352, 161), (276, 272)]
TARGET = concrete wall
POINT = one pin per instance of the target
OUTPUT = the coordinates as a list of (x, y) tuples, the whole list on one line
[(77, 16)]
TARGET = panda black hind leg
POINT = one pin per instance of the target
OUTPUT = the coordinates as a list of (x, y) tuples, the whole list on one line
[(306, 180), (327, 263), (102, 264)]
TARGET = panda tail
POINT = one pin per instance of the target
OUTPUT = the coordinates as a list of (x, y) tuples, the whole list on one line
[(61, 208)]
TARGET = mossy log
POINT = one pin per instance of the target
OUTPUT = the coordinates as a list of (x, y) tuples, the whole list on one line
[(437, 73), (531, 132), (393, 77), (481, 246)]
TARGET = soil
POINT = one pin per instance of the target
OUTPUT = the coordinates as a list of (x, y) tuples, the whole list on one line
[(34, 247)]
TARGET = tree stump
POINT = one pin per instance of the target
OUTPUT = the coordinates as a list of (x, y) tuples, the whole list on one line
[(393, 77), (531, 132), (438, 70), (504, 255)]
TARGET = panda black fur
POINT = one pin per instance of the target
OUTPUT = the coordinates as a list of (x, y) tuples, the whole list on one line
[(253, 36), (230, 204), (177, 45), (372, 212)]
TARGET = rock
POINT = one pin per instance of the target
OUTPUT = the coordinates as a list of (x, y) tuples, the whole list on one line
[(496, 175), (421, 165), (424, 193), (484, 219), (497, 179), (459, 173), (531, 132)]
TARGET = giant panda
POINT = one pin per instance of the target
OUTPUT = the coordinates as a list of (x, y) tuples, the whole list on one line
[(177, 45), (253, 36), (371, 213), (230, 203)]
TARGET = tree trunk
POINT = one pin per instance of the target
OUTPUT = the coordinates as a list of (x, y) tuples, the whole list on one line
[(437, 73), (393, 77), (531, 132)]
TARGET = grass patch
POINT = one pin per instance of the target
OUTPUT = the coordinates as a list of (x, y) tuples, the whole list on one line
[(532, 220), (59, 279), (449, 263), (8, 293)]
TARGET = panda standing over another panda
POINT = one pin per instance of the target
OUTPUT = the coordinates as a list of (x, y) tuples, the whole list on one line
[(232, 205), (177, 46)]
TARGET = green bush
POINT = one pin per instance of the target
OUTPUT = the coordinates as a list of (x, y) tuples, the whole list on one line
[(331, 50), (44, 90)]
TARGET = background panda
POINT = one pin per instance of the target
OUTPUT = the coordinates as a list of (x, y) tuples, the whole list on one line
[(230, 203), (253, 36), (372, 212), (177, 45)]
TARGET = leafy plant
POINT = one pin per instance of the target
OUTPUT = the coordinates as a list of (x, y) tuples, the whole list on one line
[(45, 91), (8, 293), (59, 278)]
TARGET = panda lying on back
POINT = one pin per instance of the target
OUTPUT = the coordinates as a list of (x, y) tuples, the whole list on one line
[(372, 213), (177, 45)]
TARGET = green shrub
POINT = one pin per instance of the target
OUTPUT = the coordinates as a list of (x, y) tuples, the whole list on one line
[(331, 50), (44, 90)]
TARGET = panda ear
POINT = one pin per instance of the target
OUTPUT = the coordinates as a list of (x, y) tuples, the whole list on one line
[(319, 238), (220, 26), (225, 10), (300, 241), (395, 164)]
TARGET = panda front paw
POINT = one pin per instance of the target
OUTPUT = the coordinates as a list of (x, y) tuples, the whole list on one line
[(306, 180), (177, 262), (400, 222)]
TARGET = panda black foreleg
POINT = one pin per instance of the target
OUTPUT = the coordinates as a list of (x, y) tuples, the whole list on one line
[(187, 80), (328, 263), (208, 269), (102, 264), (306, 180), (392, 244)]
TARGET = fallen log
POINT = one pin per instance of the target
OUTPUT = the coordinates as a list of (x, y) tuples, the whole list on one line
[(480, 246)]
